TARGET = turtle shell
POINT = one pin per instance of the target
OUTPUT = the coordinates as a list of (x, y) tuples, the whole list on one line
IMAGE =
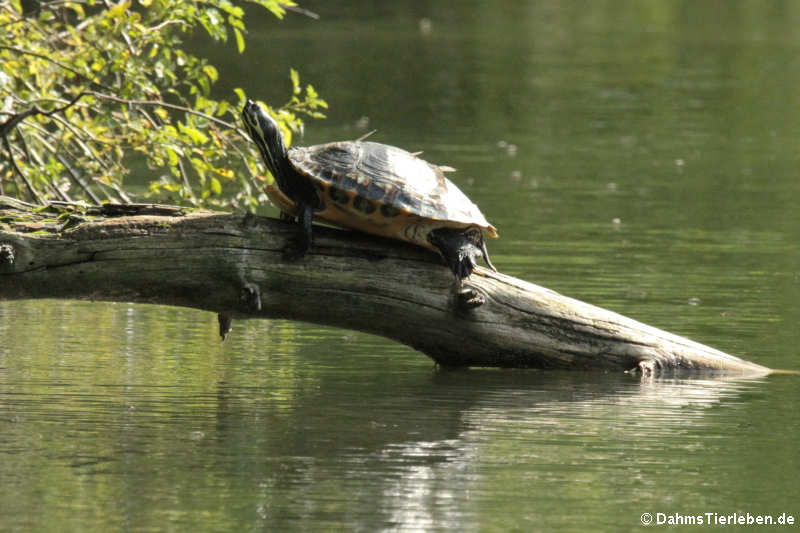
[(384, 190)]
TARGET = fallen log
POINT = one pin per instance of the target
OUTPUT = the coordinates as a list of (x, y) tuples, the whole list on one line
[(234, 265)]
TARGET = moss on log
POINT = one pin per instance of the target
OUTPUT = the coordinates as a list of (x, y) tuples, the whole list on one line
[(234, 265)]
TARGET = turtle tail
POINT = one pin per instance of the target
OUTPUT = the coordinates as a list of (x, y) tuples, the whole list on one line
[(460, 249)]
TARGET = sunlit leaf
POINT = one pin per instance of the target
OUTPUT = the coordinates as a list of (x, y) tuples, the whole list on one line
[(194, 134), (211, 72), (226, 173), (239, 39), (173, 157), (76, 7), (311, 93), (118, 10), (216, 186)]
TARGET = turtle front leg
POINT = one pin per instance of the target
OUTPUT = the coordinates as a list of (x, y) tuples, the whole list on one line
[(456, 249), (301, 244), (460, 253)]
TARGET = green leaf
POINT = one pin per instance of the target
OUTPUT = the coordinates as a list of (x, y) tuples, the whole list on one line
[(77, 8), (211, 72), (216, 186), (205, 86), (295, 77), (311, 94), (118, 10), (173, 157), (197, 136), (239, 39)]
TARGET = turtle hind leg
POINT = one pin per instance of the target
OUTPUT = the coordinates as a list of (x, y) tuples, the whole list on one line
[(458, 250)]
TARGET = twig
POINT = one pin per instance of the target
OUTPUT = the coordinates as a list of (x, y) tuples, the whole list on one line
[(11, 123), (34, 156), (83, 144), (39, 134), (25, 149), (159, 103), (148, 118), (77, 29), (58, 192), (186, 181), (19, 172), (77, 179), (117, 189), (301, 11), (128, 42), (157, 27)]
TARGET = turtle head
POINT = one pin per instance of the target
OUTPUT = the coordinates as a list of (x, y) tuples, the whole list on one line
[(266, 133)]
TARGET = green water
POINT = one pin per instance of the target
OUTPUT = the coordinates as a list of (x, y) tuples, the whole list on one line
[(641, 156)]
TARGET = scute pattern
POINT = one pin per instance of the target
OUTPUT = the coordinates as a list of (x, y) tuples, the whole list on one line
[(387, 176)]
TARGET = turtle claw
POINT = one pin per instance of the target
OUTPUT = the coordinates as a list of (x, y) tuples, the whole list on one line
[(469, 298)]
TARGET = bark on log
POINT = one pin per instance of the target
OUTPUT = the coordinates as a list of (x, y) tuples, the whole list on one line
[(234, 265)]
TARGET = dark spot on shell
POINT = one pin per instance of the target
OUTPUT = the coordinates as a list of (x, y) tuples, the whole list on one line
[(338, 196), (338, 152), (348, 183), (389, 211), (374, 192), (328, 175), (363, 205)]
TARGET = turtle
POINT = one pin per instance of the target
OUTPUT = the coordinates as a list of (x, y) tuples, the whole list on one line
[(370, 187)]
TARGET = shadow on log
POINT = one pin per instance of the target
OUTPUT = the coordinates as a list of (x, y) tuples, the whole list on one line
[(234, 265)]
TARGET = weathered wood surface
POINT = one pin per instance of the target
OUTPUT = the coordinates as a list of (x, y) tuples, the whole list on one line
[(234, 265)]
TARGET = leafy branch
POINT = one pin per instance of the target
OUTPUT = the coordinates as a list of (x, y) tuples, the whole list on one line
[(92, 91)]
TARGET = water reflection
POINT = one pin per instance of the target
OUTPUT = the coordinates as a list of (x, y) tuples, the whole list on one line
[(581, 439), (321, 429)]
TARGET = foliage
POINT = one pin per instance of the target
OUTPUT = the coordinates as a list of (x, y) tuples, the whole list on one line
[(85, 85)]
